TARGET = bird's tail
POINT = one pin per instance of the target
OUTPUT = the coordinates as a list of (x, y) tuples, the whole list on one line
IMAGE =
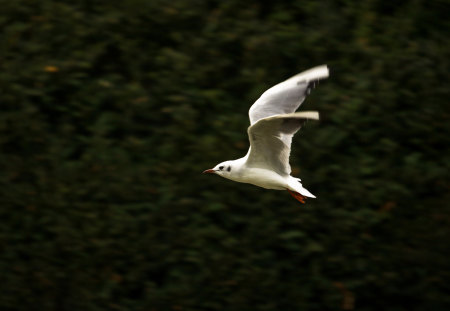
[(295, 185)]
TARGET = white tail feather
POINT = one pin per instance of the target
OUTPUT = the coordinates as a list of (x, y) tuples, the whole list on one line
[(295, 185)]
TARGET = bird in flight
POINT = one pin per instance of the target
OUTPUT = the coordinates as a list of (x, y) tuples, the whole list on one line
[(273, 123)]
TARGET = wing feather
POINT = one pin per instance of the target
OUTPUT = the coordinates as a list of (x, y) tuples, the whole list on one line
[(287, 96), (270, 140)]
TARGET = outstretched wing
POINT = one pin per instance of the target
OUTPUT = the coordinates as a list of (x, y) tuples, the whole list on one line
[(287, 96), (270, 140)]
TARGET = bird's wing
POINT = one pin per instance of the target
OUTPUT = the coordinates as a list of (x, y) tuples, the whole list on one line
[(270, 140), (286, 96)]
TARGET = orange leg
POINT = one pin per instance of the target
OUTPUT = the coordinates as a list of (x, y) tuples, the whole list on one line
[(297, 196)]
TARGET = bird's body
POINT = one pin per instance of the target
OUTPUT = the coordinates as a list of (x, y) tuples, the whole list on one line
[(257, 176), (273, 123)]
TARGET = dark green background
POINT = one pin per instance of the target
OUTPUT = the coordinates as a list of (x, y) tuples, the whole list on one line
[(110, 111)]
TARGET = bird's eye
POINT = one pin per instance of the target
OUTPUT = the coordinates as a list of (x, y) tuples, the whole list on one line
[(220, 167)]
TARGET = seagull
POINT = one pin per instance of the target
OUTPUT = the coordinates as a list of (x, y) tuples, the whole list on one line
[(273, 123)]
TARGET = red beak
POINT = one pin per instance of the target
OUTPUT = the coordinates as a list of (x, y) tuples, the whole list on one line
[(210, 171)]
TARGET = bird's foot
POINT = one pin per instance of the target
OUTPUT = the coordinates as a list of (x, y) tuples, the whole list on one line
[(297, 196)]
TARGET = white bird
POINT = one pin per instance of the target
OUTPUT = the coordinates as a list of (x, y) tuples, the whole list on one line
[(273, 123)]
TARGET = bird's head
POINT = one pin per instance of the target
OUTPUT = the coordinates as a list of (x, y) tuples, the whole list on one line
[(223, 169)]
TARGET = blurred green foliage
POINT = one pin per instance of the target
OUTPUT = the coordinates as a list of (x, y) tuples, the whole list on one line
[(110, 110)]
